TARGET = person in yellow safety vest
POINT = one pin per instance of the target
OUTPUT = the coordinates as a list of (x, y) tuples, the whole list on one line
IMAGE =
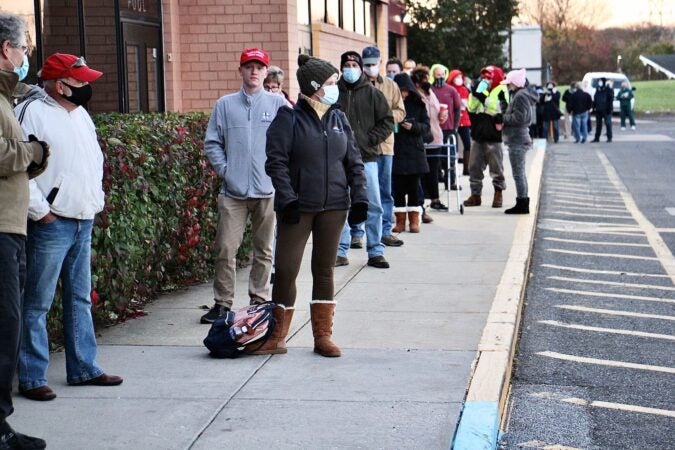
[(487, 102)]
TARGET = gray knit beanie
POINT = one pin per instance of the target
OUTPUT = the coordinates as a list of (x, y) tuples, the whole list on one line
[(312, 73)]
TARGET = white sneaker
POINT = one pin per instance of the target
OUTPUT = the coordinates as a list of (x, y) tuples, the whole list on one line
[(623, 128), (632, 127)]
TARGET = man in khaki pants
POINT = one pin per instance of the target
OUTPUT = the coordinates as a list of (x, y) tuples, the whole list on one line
[(235, 145)]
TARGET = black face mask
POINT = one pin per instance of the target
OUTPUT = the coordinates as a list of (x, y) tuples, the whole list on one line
[(439, 82), (79, 95), (425, 85)]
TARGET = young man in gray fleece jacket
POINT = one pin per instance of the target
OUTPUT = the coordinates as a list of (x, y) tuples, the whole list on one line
[(235, 145)]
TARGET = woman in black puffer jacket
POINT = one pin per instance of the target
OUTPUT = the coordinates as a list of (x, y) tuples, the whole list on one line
[(410, 161)]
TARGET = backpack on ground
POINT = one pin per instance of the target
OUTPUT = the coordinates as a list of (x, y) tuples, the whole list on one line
[(240, 332)]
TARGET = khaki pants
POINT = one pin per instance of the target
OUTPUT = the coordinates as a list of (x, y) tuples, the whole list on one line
[(232, 216), (486, 154)]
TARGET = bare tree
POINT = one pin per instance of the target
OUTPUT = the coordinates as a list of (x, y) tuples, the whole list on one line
[(564, 14)]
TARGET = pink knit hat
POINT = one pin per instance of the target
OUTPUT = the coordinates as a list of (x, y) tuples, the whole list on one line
[(516, 78)]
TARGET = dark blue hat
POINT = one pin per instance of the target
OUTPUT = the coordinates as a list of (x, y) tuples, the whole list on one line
[(370, 55)]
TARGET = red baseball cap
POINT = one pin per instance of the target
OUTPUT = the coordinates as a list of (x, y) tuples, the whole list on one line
[(254, 54), (63, 65)]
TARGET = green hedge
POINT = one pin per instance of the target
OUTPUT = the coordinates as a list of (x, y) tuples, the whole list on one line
[(157, 230)]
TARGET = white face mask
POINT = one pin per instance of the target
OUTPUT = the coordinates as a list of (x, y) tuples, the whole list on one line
[(371, 71), (330, 94), (457, 81)]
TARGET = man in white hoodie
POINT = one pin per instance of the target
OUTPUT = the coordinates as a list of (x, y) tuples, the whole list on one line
[(63, 203)]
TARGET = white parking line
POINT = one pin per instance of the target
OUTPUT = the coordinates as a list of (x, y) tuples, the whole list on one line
[(607, 362), (660, 248), (607, 272), (612, 296), (614, 283), (610, 225), (671, 211), (573, 326), (601, 198), (606, 216), (579, 241), (601, 404), (602, 255), (613, 312), (609, 231), (569, 204)]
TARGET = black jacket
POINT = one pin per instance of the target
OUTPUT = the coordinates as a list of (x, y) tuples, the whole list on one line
[(580, 102), (551, 109), (409, 155), (315, 162), (369, 115), (603, 100)]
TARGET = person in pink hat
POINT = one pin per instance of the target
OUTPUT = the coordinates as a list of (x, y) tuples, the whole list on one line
[(64, 200), (517, 118)]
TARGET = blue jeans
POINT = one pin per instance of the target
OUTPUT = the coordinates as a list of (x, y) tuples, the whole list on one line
[(384, 163), (374, 220), (580, 126), (58, 250), (517, 153)]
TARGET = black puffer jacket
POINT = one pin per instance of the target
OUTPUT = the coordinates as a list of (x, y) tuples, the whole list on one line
[(603, 100), (409, 155), (369, 115), (315, 162)]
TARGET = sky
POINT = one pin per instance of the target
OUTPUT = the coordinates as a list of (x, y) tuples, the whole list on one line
[(630, 12)]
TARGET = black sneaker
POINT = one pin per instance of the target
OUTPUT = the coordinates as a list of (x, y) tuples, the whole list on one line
[(341, 261), (378, 262), (17, 441), (356, 242), (214, 313), (437, 205)]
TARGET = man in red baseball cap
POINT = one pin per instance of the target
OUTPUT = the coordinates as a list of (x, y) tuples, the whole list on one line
[(235, 144), (64, 200)]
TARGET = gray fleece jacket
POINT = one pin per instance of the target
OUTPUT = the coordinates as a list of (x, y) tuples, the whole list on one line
[(236, 139), (518, 116)]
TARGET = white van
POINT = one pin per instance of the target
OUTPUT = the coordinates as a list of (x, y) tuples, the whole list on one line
[(590, 83)]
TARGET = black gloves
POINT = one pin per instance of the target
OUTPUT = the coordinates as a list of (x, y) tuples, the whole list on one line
[(499, 119), (34, 166), (481, 97), (291, 213), (358, 213), (503, 104)]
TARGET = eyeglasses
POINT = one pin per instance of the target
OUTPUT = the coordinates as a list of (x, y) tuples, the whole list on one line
[(24, 48)]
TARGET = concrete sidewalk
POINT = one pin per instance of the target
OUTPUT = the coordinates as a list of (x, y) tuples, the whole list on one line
[(409, 336)]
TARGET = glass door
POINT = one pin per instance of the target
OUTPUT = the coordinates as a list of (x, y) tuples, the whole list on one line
[(143, 69)]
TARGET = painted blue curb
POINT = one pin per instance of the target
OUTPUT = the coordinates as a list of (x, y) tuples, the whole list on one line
[(478, 427)]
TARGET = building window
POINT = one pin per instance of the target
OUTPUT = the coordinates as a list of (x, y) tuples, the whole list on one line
[(357, 16)]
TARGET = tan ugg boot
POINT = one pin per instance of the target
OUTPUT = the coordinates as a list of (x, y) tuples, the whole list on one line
[(400, 214), (414, 218), (322, 312), (276, 343), (497, 200)]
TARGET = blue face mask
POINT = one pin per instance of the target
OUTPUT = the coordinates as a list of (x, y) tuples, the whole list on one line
[(22, 70), (351, 74), (391, 76), (330, 94)]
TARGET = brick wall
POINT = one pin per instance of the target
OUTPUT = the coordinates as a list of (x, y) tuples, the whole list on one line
[(209, 39), (329, 42), (101, 51)]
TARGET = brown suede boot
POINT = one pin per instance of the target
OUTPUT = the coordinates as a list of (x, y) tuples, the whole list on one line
[(322, 312), (497, 200), (400, 214), (414, 219), (276, 343), (474, 200)]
